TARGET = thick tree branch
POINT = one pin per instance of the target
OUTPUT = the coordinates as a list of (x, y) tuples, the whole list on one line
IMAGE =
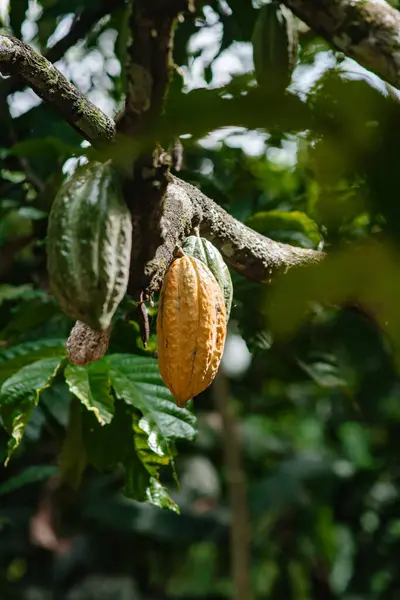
[(80, 27), (17, 58), (251, 254), (366, 30), (184, 207), (149, 71)]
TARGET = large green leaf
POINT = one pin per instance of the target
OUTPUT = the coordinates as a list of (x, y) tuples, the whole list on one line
[(14, 358), (124, 443), (91, 384), (140, 433), (137, 381), (20, 394)]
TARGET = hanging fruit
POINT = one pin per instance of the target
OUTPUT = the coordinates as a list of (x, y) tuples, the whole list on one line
[(89, 245), (275, 47), (191, 328), (203, 250)]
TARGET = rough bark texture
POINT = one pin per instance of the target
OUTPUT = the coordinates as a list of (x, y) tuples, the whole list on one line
[(149, 70), (19, 59), (251, 254), (366, 30), (184, 206), (81, 25)]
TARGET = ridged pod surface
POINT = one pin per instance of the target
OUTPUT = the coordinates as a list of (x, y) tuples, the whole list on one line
[(191, 328), (203, 250), (275, 47), (89, 245)]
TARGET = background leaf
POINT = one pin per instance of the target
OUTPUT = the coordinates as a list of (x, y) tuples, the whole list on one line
[(136, 380), (14, 358), (20, 394)]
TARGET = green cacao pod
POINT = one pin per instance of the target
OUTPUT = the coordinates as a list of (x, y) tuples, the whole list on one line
[(203, 250), (275, 46), (89, 245)]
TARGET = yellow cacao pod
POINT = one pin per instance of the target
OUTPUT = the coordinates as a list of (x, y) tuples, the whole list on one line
[(191, 328)]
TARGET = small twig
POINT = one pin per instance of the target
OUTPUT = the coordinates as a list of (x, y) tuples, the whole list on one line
[(143, 321)]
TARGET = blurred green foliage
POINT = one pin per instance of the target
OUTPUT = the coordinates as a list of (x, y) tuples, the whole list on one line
[(319, 404)]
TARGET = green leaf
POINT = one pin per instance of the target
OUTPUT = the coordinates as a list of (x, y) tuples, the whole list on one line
[(137, 381), (137, 479), (158, 495), (286, 226), (151, 453), (91, 384), (14, 358), (108, 445), (124, 443), (29, 475), (20, 394), (73, 452)]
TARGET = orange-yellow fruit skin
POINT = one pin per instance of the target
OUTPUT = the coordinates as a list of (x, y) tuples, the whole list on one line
[(191, 328)]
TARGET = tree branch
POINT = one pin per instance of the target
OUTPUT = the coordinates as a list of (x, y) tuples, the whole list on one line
[(367, 31), (248, 252), (80, 27), (149, 71), (17, 58), (184, 206)]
